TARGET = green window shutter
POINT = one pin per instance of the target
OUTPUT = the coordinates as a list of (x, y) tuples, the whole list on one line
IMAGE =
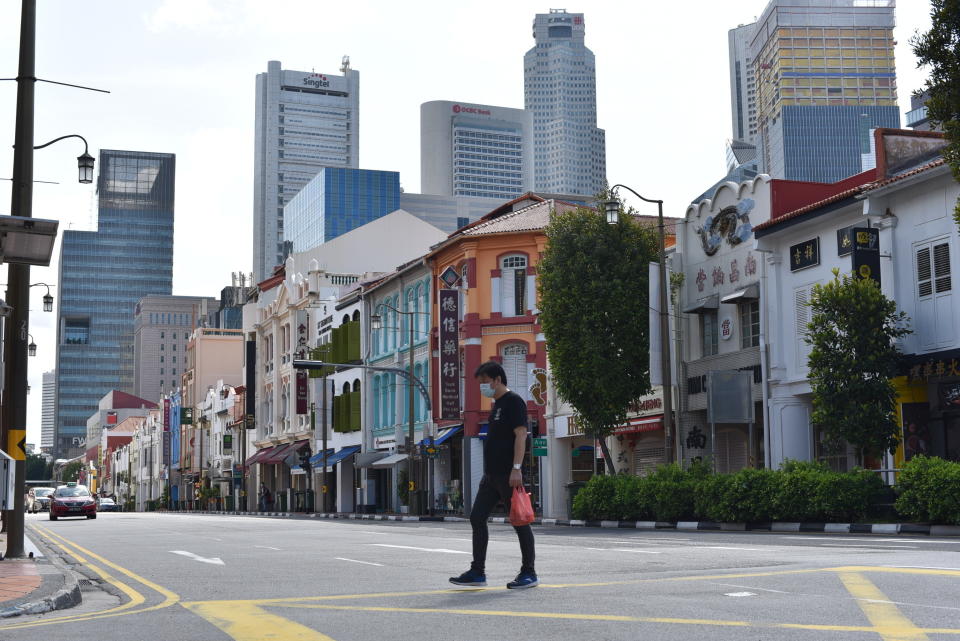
[(354, 411), (353, 341)]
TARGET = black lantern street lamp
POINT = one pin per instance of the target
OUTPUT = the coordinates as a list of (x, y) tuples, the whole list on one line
[(32, 347), (376, 322), (612, 209), (85, 165)]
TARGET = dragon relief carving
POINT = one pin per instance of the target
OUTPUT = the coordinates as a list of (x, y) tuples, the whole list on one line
[(732, 224)]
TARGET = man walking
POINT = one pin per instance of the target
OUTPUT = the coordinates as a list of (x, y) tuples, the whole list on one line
[(503, 453)]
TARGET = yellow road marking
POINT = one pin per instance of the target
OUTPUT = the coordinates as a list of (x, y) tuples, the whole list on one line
[(248, 622), (889, 622), (885, 569), (122, 610)]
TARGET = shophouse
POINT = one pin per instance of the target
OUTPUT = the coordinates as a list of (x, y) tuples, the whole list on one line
[(892, 224)]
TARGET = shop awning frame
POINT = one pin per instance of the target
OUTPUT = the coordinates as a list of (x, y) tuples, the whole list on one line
[(259, 455), (748, 293), (334, 457), (388, 461), (704, 305), (446, 436)]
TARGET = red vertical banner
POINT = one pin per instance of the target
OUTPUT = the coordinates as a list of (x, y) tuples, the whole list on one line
[(166, 431), (449, 334)]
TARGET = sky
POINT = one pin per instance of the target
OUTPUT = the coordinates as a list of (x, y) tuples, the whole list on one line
[(181, 75)]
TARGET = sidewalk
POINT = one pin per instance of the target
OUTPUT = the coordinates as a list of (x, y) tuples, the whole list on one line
[(34, 585)]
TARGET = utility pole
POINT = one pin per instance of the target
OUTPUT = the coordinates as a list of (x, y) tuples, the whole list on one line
[(14, 413), (411, 484)]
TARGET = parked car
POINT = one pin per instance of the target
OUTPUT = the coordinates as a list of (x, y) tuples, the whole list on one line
[(107, 504), (38, 499), (72, 500)]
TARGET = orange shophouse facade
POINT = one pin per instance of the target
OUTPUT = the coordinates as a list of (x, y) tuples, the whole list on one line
[(495, 260)]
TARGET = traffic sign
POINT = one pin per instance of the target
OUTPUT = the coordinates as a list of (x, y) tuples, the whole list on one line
[(17, 444), (540, 446)]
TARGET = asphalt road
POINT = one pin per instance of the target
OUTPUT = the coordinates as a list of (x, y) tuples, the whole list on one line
[(208, 578)]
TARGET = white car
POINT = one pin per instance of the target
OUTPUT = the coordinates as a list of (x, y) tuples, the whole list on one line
[(39, 499)]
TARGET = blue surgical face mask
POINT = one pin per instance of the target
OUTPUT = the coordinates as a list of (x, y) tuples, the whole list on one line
[(487, 389)]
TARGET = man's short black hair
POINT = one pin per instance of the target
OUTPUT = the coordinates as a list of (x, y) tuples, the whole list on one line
[(492, 369)]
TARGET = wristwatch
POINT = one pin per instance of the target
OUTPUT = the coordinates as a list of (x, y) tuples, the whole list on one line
[(516, 466)]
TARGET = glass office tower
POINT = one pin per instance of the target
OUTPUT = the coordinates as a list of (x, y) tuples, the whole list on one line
[(103, 274), (336, 201)]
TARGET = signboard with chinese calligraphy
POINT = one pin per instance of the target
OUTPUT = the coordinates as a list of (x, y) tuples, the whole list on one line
[(805, 254), (845, 241), (449, 334), (301, 351), (866, 253)]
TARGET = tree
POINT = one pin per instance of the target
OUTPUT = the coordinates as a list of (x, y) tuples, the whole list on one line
[(71, 471), (853, 362), (593, 280), (36, 467), (939, 49)]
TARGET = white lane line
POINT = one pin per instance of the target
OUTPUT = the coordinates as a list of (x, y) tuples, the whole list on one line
[(721, 547), (196, 557), (372, 532), (410, 547), (267, 547), (869, 547), (635, 551), (340, 558), (740, 594), (871, 539)]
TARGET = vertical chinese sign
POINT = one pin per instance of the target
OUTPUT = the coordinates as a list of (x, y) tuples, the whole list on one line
[(449, 301), (301, 352), (166, 431)]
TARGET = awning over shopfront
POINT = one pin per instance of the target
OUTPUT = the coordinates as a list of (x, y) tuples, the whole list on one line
[(367, 459), (747, 294), (389, 461), (259, 455), (334, 457), (640, 424), (281, 452), (704, 305), (444, 436)]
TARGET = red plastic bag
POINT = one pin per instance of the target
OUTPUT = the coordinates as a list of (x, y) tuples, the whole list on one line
[(521, 510)]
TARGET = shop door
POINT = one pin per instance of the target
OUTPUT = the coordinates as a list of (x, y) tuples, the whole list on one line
[(731, 450)]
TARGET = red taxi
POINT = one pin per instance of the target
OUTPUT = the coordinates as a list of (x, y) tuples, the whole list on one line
[(72, 500)]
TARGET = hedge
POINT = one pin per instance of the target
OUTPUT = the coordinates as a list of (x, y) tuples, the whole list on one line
[(797, 492), (928, 490)]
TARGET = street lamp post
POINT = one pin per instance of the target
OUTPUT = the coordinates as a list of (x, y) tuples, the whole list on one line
[(376, 323), (611, 209)]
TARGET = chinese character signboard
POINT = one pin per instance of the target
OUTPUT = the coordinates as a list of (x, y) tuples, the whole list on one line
[(845, 241), (866, 253), (301, 352), (805, 254), (449, 301)]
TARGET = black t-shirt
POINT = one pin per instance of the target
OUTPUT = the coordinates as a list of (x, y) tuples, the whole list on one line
[(509, 412)]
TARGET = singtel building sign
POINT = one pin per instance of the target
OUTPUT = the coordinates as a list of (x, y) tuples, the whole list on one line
[(299, 80)]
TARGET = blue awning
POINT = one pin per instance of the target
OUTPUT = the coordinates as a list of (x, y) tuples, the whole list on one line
[(334, 458), (445, 436)]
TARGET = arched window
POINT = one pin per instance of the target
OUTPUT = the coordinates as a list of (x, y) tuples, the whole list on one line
[(411, 306), (392, 402), (514, 357), (356, 385), (394, 322), (346, 319), (384, 321), (513, 285), (356, 314), (421, 309), (417, 373), (385, 418), (346, 387)]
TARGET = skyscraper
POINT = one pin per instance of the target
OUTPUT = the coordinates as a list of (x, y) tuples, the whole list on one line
[(337, 200), (743, 84), (103, 274), (475, 150), (560, 89), (304, 121), (162, 327), (825, 76), (49, 415)]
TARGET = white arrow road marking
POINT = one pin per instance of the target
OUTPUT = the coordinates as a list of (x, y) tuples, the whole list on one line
[(190, 555), (267, 547), (340, 558), (408, 547)]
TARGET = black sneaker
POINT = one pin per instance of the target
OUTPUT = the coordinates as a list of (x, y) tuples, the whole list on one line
[(471, 579), (523, 581)]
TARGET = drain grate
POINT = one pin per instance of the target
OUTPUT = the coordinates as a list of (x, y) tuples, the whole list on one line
[(87, 584)]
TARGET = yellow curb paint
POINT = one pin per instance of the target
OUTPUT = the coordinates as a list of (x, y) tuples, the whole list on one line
[(248, 622), (888, 621)]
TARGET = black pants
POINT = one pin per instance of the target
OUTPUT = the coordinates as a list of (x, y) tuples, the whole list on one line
[(493, 489)]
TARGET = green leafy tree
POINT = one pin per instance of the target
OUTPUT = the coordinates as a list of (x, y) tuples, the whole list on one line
[(593, 280), (853, 363), (36, 467), (71, 471), (939, 49)]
